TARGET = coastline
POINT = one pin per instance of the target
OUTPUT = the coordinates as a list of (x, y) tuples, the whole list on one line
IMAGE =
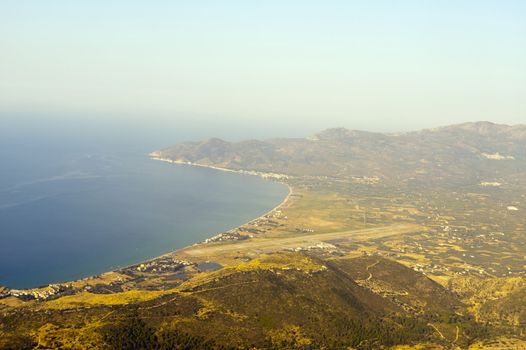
[(266, 176), (57, 286)]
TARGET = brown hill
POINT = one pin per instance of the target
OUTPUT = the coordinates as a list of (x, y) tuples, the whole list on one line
[(285, 300), (461, 154)]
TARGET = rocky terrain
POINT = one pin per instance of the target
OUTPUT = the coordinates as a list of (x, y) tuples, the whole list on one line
[(386, 241), (454, 155)]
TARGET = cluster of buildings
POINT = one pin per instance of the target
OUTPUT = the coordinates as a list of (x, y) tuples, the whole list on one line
[(45, 293), (163, 264), (305, 230), (4, 292), (226, 236), (366, 180), (265, 175), (329, 248), (497, 156)]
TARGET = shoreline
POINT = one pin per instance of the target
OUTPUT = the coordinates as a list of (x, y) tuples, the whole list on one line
[(265, 176)]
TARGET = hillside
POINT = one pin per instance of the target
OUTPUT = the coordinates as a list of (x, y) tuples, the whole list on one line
[(287, 300), (386, 241), (458, 154)]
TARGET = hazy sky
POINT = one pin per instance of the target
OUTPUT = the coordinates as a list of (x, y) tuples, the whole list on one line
[(369, 64)]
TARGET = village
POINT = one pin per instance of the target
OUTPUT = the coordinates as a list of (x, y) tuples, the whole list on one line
[(45, 293)]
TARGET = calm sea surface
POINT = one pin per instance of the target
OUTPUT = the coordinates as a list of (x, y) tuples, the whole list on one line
[(70, 209)]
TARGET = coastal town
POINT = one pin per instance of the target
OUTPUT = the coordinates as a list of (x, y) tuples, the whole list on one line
[(266, 175)]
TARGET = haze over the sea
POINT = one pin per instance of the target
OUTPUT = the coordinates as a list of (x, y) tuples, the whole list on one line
[(292, 67)]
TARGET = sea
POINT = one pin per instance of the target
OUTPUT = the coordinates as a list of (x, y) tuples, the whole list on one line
[(79, 200)]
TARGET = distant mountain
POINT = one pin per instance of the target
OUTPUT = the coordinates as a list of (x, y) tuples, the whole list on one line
[(461, 154)]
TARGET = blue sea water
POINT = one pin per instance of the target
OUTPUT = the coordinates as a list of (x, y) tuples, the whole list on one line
[(73, 204)]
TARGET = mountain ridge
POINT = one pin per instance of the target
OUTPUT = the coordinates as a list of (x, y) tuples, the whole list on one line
[(456, 154)]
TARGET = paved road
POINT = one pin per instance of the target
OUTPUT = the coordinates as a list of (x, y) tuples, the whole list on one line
[(266, 245)]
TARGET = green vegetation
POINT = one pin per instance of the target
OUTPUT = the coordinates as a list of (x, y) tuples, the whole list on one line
[(290, 300), (414, 241), (83, 299)]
